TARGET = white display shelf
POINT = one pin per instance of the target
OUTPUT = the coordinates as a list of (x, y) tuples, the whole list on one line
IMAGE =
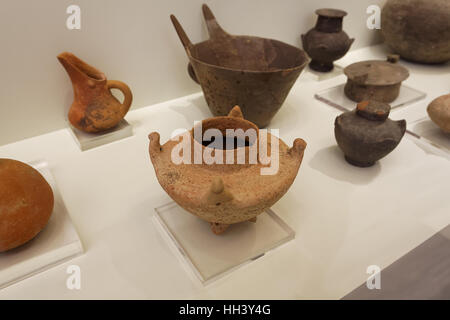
[(88, 141), (345, 218), (58, 242), (428, 131), (197, 246)]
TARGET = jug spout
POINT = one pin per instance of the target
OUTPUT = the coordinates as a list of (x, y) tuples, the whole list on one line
[(79, 70)]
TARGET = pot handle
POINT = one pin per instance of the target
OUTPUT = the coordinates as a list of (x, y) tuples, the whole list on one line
[(298, 148), (191, 72), (214, 29), (392, 58), (128, 96), (187, 44), (154, 146)]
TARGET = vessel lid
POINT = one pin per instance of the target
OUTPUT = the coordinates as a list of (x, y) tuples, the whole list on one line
[(373, 110), (331, 13), (376, 72)]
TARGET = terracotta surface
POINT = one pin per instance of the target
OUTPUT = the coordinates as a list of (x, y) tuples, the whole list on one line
[(418, 30), (94, 108), (366, 134), (439, 112), (375, 80), (326, 42), (26, 203), (254, 73), (224, 194)]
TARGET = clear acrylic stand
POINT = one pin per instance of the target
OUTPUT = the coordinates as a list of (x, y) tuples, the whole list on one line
[(88, 141), (58, 242), (210, 257), (336, 97), (427, 130), (320, 76)]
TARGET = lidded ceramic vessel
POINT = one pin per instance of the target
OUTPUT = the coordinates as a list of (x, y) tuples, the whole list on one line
[(439, 112), (252, 72), (418, 30), (26, 203), (366, 134), (94, 108), (326, 42), (239, 184), (375, 80)]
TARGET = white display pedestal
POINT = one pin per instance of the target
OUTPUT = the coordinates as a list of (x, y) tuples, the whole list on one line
[(427, 130), (88, 141), (211, 256), (336, 97), (55, 244)]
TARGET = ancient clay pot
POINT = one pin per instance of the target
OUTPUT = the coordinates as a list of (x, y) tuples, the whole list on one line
[(254, 73), (418, 30), (26, 203), (226, 192), (94, 108), (366, 135), (375, 80), (326, 42), (439, 112)]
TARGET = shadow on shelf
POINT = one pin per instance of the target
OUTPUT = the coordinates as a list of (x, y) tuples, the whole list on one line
[(330, 161), (195, 110)]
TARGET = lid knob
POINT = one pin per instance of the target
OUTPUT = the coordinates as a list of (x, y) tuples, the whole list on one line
[(373, 110), (393, 58)]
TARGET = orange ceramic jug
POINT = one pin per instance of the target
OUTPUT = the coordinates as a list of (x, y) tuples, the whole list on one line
[(94, 108)]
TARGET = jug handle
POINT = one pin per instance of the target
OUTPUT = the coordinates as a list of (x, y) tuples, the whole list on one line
[(214, 29), (191, 72), (128, 96)]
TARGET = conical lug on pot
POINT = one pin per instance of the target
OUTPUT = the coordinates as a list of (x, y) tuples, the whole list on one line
[(402, 125), (155, 145), (236, 112), (217, 194), (214, 29), (349, 43), (298, 147), (218, 228), (187, 44)]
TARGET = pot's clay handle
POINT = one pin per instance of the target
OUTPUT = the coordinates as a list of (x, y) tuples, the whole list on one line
[(350, 42), (128, 96), (187, 44), (191, 72), (214, 29), (154, 145), (303, 37), (393, 58), (298, 148)]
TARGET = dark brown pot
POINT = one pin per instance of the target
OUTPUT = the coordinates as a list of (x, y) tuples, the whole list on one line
[(366, 135), (254, 73), (418, 30), (326, 42), (375, 80)]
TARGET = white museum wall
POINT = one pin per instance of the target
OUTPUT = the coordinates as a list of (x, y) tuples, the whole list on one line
[(132, 41)]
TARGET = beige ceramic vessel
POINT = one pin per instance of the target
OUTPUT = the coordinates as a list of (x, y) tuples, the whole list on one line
[(26, 203), (225, 194), (439, 112)]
